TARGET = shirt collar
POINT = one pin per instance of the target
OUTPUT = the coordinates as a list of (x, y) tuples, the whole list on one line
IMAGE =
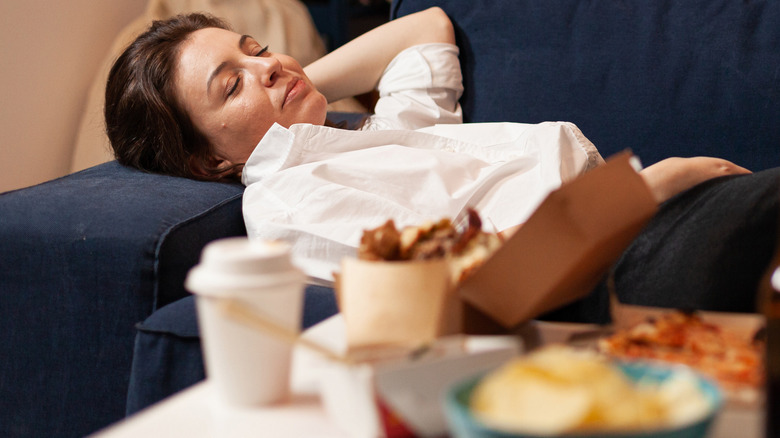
[(269, 154)]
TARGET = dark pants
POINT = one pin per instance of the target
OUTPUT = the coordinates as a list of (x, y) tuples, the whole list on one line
[(706, 248)]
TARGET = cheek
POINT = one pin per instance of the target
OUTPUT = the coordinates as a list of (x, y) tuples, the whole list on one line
[(241, 130), (251, 110), (289, 63)]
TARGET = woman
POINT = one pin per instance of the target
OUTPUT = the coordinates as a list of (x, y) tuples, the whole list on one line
[(150, 78), (159, 120), (191, 98)]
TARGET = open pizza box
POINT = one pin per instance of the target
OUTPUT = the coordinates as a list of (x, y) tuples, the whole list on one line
[(744, 328), (391, 310), (744, 325)]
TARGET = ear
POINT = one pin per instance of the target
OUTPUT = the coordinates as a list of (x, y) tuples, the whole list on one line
[(207, 168)]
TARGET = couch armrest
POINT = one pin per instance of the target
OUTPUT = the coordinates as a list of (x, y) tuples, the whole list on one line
[(84, 258)]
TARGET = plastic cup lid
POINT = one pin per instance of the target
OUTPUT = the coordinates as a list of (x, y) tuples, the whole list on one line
[(239, 263)]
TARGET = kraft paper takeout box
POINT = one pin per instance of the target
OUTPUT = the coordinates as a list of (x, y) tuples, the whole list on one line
[(398, 396), (743, 325), (402, 397), (396, 303), (557, 256)]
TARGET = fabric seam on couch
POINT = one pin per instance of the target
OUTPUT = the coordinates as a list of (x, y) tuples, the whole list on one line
[(164, 235)]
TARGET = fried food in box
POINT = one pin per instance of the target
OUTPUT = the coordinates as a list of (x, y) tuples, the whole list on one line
[(465, 249)]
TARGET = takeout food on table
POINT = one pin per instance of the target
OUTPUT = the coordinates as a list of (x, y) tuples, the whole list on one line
[(400, 290), (559, 390), (464, 248), (729, 349)]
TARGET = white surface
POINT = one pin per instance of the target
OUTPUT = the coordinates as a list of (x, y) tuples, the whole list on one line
[(196, 412)]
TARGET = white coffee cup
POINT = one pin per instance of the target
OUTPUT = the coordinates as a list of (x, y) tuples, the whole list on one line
[(248, 366)]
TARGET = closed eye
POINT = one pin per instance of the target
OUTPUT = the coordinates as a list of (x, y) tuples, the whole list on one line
[(233, 87), (262, 51)]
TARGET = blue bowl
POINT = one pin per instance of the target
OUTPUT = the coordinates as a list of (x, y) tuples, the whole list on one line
[(463, 424)]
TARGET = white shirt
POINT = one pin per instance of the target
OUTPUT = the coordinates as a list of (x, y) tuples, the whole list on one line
[(319, 188)]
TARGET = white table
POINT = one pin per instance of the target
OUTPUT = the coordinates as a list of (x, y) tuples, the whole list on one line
[(196, 412)]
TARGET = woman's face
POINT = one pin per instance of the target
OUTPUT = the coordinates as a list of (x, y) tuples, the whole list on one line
[(234, 90)]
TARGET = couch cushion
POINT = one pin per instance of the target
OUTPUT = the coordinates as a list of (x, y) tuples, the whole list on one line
[(167, 356), (84, 258), (672, 78)]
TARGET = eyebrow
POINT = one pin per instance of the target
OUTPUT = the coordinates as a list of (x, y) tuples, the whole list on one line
[(224, 64)]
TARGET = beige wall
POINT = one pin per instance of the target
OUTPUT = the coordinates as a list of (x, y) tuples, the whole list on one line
[(49, 53)]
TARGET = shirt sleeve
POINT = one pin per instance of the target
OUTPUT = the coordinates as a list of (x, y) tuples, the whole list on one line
[(420, 87)]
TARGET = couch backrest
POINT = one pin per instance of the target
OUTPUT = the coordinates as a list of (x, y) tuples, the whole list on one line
[(678, 77)]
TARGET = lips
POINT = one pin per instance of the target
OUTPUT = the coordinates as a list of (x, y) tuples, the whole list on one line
[(294, 88)]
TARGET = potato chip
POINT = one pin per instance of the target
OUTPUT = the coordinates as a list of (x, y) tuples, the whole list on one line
[(542, 405), (559, 389)]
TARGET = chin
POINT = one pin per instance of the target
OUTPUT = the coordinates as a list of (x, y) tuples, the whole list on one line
[(314, 112)]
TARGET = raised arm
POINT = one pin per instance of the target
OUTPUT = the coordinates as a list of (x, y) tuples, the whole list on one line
[(355, 68)]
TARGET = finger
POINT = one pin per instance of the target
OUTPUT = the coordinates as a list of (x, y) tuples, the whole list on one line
[(731, 168)]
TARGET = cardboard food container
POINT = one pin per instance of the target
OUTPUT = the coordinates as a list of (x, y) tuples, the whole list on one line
[(403, 398), (397, 394), (557, 256), (536, 334), (404, 304), (744, 326)]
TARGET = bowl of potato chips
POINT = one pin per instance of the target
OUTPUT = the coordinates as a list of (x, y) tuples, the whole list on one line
[(561, 391)]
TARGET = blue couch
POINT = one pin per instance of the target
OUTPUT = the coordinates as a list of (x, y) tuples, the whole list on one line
[(94, 319)]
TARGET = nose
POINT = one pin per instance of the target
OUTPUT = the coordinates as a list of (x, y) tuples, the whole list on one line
[(268, 69)]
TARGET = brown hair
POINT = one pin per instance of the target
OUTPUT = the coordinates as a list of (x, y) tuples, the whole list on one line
[(146, 125)]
